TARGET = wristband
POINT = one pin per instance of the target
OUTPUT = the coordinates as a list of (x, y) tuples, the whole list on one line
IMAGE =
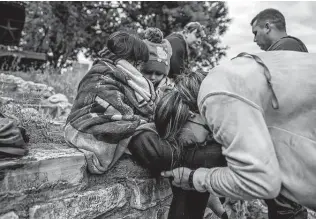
[(190, 181)]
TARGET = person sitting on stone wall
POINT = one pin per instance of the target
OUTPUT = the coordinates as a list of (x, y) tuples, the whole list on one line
[(112, 100)]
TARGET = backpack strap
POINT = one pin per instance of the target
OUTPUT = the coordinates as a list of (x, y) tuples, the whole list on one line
[(275, 102)]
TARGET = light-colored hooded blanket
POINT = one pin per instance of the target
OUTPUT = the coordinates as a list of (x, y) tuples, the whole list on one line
[(268, 132)]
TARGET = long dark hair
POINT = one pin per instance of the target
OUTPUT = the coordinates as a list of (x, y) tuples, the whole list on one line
[(173, 109), (128, 46)]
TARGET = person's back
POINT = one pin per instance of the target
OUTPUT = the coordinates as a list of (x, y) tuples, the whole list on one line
[(247, 119), (179, 59)]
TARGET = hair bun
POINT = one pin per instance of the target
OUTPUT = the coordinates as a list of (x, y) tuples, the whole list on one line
[(153, 34)]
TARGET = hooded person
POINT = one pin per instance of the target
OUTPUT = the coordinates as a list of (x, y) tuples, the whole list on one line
[(157, 68), (112, 100)]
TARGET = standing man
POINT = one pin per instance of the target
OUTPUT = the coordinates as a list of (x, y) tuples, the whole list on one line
[(269, 29), (181, 43)]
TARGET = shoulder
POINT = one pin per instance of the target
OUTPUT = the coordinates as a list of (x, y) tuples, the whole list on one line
[(238, 77), (100, 66), (176, 40), (289, 43)]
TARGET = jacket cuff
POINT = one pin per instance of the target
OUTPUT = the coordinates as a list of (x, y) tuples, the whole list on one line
[(199, 179), (202, 180)]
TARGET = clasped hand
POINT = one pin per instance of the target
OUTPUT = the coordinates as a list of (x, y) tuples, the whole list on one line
[(180, 177)]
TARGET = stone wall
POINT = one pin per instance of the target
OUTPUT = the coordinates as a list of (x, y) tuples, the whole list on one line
[(53, 182)]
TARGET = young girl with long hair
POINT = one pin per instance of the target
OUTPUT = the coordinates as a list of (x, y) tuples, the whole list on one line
[(179, 137)]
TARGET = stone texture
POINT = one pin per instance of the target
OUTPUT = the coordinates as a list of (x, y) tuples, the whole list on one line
[(311, 214), (152, 213), (88, 204), (123, 169), (209, 214), (146, 193), (42, 169), (9, 215)]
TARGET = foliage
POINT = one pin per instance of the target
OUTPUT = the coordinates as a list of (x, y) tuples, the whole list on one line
[(62, 29)]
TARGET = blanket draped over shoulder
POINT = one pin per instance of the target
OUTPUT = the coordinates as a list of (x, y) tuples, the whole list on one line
[(112, 101)]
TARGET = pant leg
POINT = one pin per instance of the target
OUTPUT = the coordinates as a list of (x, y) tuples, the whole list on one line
[(194, 203), (187, 204), (283, 208)]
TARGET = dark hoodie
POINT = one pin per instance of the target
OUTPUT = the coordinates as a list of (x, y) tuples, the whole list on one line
[(179, 58)]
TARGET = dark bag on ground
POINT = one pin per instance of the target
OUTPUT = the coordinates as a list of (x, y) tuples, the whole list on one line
[(13, 139)]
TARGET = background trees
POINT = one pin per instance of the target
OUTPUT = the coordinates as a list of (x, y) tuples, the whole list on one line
[(62, 29)]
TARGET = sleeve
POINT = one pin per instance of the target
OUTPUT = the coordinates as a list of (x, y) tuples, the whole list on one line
[(150, 152), (252, 168)]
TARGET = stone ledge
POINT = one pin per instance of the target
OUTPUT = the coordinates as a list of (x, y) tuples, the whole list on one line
[(41, 169), (52, 182), (88, 204)]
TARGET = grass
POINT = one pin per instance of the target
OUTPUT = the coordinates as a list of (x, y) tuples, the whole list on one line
[(65, 83), (36, 124)]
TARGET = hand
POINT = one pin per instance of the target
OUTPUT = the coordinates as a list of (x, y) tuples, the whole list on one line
[(180, 177)]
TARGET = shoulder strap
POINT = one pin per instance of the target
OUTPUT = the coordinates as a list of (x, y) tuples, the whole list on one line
[(275, 102)]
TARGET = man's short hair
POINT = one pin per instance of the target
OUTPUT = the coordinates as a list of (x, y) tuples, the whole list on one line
[(272, 15), (190, 27)]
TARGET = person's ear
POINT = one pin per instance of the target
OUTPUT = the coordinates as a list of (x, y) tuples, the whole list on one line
[(267, 27)]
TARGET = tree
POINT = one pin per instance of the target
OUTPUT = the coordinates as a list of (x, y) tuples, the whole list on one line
[(62, 29), (54, 28), (169, 17)]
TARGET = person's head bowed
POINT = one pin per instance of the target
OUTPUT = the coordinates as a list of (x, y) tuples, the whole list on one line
[(126, 46), (176, 106)]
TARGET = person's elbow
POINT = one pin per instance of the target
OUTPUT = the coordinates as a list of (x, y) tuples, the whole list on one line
[(271, 183)]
